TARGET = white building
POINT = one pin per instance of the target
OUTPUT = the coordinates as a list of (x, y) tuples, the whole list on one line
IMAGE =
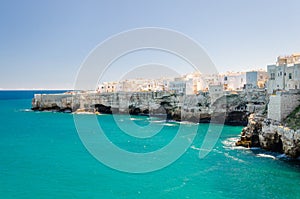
[(135, 85), (256, 79), (181, 86), (209, 79), (288, 59), (233, 81), (201, 82), (215, 92), (285, 74), (107, 87)]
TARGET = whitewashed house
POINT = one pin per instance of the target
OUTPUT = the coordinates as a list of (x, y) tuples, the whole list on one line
[(107, 87), (233, 81), (256, 79), (285, 74), (215, 92), (181, 86)]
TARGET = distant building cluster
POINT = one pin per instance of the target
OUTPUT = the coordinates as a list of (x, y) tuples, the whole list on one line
[(135, 85), (284, 75), (189, 84)]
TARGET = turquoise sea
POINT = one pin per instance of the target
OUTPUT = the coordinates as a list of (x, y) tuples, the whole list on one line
[(41, 156)]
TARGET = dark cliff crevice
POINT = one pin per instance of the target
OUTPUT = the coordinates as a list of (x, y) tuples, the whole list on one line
[(103, 109)]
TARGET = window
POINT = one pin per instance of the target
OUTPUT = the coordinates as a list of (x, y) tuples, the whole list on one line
[(290, 75), (272, 76)]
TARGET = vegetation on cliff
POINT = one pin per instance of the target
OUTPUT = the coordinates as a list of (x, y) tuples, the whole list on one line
[(293, 119)]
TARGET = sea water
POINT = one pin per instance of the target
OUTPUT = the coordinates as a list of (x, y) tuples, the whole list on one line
[(42, 156)]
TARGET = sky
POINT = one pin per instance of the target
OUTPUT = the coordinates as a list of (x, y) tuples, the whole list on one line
[(44, 43)]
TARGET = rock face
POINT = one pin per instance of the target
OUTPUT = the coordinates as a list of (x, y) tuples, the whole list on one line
[(250, 133), (278, 138), (231, 108), (270, 135)]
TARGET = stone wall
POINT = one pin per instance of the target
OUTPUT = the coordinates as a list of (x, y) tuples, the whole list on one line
[(282, 104)]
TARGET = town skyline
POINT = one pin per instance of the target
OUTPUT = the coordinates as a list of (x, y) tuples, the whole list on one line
[(172, 76), (283, 75)]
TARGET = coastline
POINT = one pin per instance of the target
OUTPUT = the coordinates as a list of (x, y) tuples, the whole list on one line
[(235, 109), (232, 108), (270, 135)]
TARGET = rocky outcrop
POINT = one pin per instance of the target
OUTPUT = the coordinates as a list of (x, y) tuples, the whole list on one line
[(278, 138), (270, 135), (250, 133)]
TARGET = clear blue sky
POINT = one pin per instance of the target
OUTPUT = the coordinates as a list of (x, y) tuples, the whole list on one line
[(43, 43)]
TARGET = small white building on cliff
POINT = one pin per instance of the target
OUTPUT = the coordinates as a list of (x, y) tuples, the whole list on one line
[(284, 85), (256, 79), (107, 87), (233, 81), (285, 74), (215, 92), (181, 86)]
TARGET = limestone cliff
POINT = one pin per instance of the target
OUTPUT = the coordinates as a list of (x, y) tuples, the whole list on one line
[(270, 135), (232, 108)]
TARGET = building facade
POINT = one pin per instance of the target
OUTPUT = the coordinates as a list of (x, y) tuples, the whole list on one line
[(285, 74), (256, 79), (181, 86), (215, 92), (233, 81)]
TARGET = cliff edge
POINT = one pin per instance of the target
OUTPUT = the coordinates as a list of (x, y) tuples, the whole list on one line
[(271, 135)]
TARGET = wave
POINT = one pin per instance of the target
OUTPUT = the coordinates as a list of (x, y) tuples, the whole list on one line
[(26, 110), (229, 143), (255, 148), (282, 156), (169, 124), (263, 155), (136, 119), (234, 158), (83, 113), (186, 122), (273, 155), (157, 121), (195, 148), (178, 187)]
